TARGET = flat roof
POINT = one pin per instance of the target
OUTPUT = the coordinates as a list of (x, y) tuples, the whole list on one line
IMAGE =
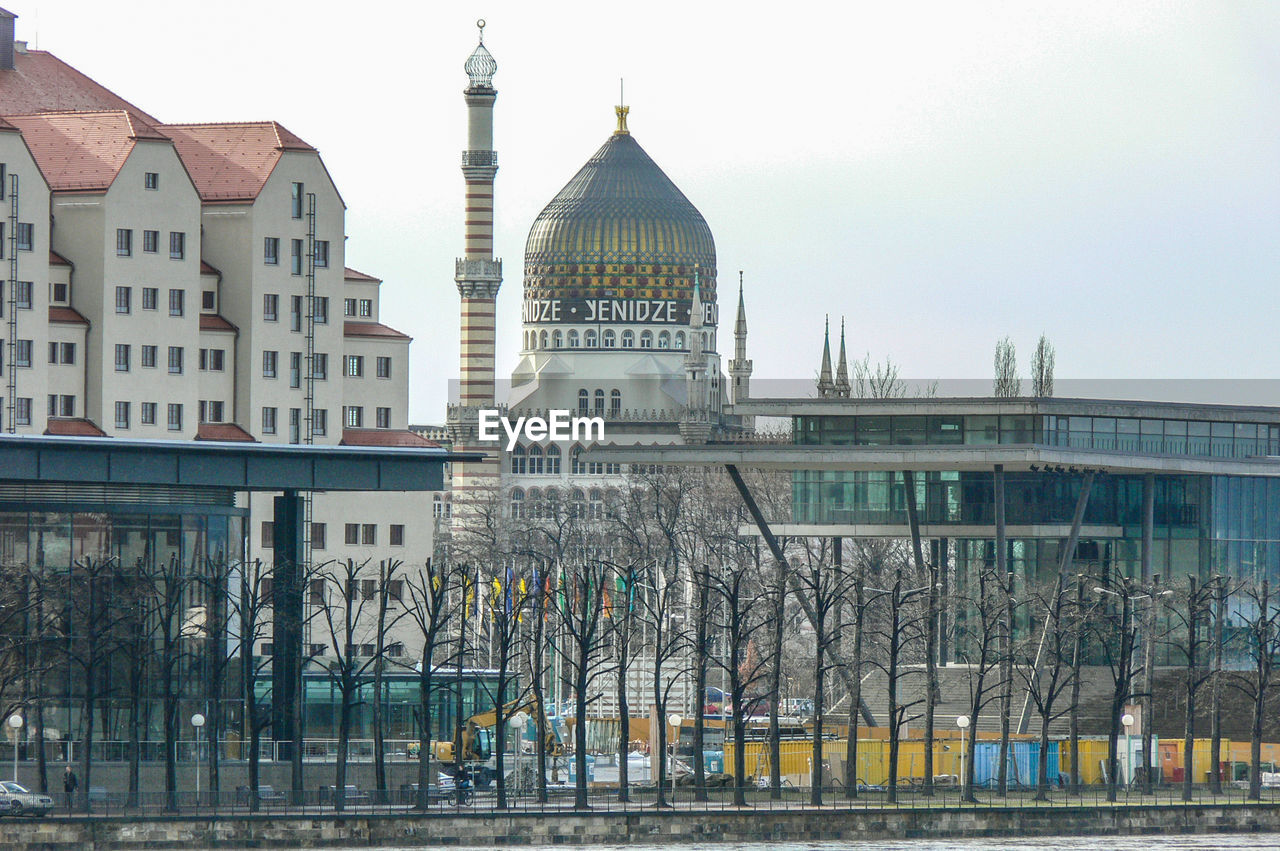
[(988, 405), (232, 465)]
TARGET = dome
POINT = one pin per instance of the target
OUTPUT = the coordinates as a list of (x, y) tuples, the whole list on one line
[(619, 229)]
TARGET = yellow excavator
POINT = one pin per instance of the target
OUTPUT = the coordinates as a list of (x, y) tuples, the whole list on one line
[(477, 739)]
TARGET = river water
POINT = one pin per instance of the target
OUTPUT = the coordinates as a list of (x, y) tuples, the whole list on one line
[(1040, 843)]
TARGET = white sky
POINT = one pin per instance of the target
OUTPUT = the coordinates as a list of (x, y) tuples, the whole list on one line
[(942, 174)]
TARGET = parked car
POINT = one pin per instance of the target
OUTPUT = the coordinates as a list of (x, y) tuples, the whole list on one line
[(17, 800)]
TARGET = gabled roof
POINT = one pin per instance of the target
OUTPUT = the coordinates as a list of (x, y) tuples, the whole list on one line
[(383, 437), (41, 82), (231, 162), (73, 428), (353, 275), (372, 329), (214, 322), (82, 151), (223, 431), (67, 316), (56, 259), (206, 269)]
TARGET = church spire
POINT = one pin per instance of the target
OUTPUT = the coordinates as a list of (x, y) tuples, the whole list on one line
[(695, 310), (825, 384), (842, 368), (740, 367)]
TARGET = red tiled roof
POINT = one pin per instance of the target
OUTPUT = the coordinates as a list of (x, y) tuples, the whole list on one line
[(56, 259), (67, 315), (41, 82), (5, 125), (73, 428), (353, 275), (223, 431), (82, 150), (206, 269), (371, 329), (214, 322), (231, 162), (383, 437)]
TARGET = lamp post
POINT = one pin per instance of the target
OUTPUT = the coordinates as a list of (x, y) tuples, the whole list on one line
[(1127, 721), (963, 723), (15, 724), (675, 721), (197, 721), (517, 723)]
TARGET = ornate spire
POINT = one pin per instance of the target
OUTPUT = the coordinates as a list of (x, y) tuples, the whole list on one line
[(740, 327), (825, 384), (842, 368), (480, 65), (695, 310), (622, 120)]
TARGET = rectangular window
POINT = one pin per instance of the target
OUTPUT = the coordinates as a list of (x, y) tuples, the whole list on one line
[(124, 242), (351, 533), (366, 307), (62, 406), (321, 310), (27, 236), (122, 357), (124, 299), (175, 360), (150, 298), (295, 257), (348, 307), (295, 427), (22, 353), (384, 367), (217, 359), (208, 300), (271, 250), (320, 422), (320, 366), (210, 412), (295, 369), (122, 414), (59, 294), (270, 307), (354, 416), (148, 413), (369, 534), (177, 245), (268, 534), (149, 356), (318, 531), (204, 359), (151, 180), (355, 366), (295, 201), (53, 354), (384, 418), (268, 420), (322, 253), (177, 302), (295, 313), (150, 241), (22, 411), (23, 294), (397, 538), (175, 417), (269, 363)]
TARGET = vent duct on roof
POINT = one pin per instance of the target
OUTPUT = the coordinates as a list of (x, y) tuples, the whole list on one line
[(6, 39)]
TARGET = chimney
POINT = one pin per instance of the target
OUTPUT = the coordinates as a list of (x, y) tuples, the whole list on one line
[(6, 39)]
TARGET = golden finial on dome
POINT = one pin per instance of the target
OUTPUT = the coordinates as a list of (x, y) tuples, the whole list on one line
[(622, 111)]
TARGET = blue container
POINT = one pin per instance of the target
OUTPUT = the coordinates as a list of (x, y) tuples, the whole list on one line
[(1023, 763), (713, 762), (591, 769)]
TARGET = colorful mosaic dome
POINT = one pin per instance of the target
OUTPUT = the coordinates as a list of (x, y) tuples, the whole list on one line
[(619, 229)]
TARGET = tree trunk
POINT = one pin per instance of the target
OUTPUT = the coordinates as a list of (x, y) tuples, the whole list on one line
[(1188, 738), (1077, 661), (580, 684), (894, 728), (1006, 659), (815, 767), (344, 739), (425, 677), (855, 699), (624, 709), (1042, 772), (775, 685), (700, 690), (1215, 711)]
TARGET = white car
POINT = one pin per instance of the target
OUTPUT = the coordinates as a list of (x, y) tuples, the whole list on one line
[(17, 800)]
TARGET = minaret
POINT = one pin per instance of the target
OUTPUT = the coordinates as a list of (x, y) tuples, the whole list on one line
[(826, 387), (478, 275), (740, 367), (696, 426), (842, 368)]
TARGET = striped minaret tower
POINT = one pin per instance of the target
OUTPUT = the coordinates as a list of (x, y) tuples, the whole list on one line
[(478, 275)]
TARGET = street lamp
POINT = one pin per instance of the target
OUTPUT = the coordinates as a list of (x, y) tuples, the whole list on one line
[(517, 723), (675, 721), (963, 723), (197, 721), (1127, 721), (15, 724)]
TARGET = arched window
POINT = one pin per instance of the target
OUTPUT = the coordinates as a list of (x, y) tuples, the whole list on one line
[(589, 338), (615, 403), (519, 464), (551, 504), (584, 403), (679, 339), (597, 504), (612, 503), (553, 460), (664, 340), (557, 341), (599, 403), (608, 340), (517, 502), (577, 465), (533, 504), (628, 340), (573, 339), (704, 342), (578, 503), (535, 460), (646, 339), (544, 340)]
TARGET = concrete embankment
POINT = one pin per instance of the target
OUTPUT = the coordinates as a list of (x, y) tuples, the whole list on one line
[(491, 829)]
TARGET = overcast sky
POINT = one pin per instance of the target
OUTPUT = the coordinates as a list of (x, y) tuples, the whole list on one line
[(941, 174)]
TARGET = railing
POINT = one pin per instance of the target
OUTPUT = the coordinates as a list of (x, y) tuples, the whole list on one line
[(479, 158)]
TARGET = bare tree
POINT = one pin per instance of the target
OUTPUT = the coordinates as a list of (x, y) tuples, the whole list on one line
[(1115, 634), (249, 608), (1045, 667), (428, 608), (1196, 641), (978, 645), (1042, 368), (1007, 385), (1259, 614), (390, 594)]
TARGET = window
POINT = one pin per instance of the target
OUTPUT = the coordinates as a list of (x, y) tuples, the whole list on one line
[(348, 307), (608, 339), (355, 366), (384, 418), (295, 257), (366, 307), (208, 300), (271, 250), (553, 460), (320, 366), (269, 363), (268, 534), (584, 402), (353, 416), (519, 462), (148, 416), (599, 406), (318, 531), (124, 242), (664, 340), (320, 422), (211, 412), (397, 540), (351, 533), (212, 360), (175, 360), (557, 341), (589, 338), (517, 502), (59, 294), (368, 534), (151, 180), (124, 299), (295, 369), (295, 425), (23, 294), (122, 414), (268, 420), (270, 307), (268, 648), (295, 313), (149, 356), (680, 340), (573, 338), (628, 340), (122, 357), (322, 253), (62, 353), (646, 339), (22, 411), (321, 310), (175, 417), (177, 245), (177, 300), (384, 367), (26, 236), (22, 354), (62, 406), (150, 241), (615, 403), (150, 298), (535, 460), (295, 201)]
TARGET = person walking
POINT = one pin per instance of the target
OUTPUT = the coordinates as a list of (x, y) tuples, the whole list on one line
[(69, 784)]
